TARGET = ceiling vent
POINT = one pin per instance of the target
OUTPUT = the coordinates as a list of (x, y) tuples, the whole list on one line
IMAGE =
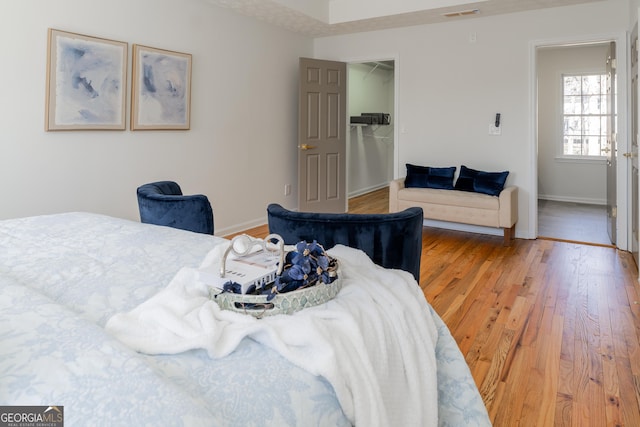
[(461, 13)]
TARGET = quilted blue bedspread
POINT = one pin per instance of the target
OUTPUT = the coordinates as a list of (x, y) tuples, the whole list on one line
[(63, 276)]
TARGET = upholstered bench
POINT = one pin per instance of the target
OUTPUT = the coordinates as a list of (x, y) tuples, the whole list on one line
[(460, 206)]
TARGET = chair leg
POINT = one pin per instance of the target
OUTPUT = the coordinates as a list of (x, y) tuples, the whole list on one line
[(509, 234)]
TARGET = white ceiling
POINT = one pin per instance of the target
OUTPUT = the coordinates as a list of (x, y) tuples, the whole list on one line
[(317, 18)]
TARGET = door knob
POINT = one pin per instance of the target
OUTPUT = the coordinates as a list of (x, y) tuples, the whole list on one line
[(307, 147)]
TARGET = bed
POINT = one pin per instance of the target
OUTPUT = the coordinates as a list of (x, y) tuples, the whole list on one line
[(64, 277)]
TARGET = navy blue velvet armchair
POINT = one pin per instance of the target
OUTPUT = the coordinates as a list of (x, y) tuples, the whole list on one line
[(162, 203), (391, 240)]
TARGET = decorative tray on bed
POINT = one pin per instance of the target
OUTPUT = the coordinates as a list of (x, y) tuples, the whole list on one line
[(297, 279)]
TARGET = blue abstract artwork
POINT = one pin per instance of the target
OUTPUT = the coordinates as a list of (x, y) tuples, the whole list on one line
[(161, 95), (87, 82)]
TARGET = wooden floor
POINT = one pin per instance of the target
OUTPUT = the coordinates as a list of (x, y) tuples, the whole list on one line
[(550, 329)]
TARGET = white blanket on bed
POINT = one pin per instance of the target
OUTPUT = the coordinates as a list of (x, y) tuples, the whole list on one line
[(375, 342)]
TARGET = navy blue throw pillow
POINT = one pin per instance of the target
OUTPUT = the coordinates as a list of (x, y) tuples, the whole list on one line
[(428, 177), (491, 183)]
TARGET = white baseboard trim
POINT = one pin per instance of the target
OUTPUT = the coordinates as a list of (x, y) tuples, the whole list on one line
[(236, 228), (362, 191), (583, 200)]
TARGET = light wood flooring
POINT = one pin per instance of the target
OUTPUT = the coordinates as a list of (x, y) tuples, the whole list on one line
[(550, 329)]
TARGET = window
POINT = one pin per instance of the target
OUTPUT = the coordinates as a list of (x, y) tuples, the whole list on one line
[(585, 115)]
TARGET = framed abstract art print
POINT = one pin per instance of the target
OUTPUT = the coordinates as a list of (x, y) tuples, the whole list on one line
[(161, 89), (86, 82)]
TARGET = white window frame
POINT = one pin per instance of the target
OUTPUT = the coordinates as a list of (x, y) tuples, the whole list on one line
[(572, 158)]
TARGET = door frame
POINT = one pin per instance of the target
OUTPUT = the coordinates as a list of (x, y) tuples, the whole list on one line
[(623, 171), (396, 90), (612, 160), (633, 140)]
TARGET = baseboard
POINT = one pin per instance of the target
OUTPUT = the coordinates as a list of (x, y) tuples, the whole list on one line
[(236, 228), (362, 191), (582, 200)]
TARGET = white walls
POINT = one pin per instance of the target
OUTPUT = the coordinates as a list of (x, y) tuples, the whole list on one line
[(370, 148), (454, 77), (241, 148), (576, 181), (634, 5), (240, 151)]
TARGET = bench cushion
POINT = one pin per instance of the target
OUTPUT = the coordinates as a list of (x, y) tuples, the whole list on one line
[(449, 198)]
